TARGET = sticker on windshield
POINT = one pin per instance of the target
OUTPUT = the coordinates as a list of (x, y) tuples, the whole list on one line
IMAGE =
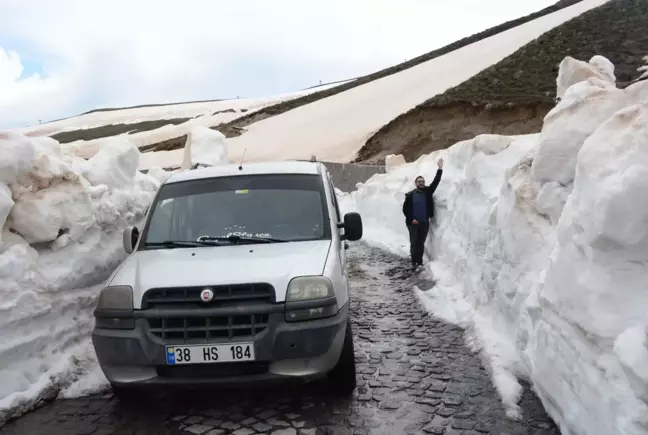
[(241, 191), (246, 234)]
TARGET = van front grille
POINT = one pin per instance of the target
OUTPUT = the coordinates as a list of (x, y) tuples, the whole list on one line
[(186, 327), (192, 329), (224, 296)]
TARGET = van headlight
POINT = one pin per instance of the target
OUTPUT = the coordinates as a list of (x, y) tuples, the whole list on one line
[(115, 308), (310, 298)]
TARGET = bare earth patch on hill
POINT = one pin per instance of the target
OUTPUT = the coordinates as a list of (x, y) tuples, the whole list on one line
[(445, 126), (114, 130), (523, 82)]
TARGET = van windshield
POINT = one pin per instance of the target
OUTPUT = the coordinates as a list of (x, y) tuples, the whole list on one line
[(282, 207)]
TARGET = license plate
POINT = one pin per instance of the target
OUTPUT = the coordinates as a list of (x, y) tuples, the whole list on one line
[(200, 354)]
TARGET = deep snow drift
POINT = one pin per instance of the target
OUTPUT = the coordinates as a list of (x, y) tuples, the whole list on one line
[(540, 250), (62, 219), (204, 146)]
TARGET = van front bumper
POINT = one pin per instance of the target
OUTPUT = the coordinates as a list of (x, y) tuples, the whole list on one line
[(300, 351)]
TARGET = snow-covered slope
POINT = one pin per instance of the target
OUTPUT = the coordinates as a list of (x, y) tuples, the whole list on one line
[(215, 112), (336, 127), (541, 250)]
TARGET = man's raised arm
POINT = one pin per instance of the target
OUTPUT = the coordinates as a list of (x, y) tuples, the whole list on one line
[(437, 177)]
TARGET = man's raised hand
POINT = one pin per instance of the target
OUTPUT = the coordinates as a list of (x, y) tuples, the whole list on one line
[(440, 163)]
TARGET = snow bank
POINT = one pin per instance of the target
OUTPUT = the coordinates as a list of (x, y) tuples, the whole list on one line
[(62, 219), (159, 174), (204, 147), (540, 250), (393, 160), (643, 70), (574, 71)]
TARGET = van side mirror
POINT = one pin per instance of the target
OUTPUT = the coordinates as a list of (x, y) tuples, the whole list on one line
[(130, 238), (352, 226)]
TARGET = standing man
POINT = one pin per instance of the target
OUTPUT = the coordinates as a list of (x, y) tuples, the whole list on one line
[(418, 208)]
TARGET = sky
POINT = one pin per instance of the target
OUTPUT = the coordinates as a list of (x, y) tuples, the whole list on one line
[(59, 58)]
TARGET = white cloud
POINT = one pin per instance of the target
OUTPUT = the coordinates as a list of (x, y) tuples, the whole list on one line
[(118, 52), (18, 92)]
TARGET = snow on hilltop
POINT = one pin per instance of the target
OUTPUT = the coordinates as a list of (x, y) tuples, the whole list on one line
[(541, 250), (208, 112)]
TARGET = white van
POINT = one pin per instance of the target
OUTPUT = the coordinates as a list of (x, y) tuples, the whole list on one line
[(238, 276)]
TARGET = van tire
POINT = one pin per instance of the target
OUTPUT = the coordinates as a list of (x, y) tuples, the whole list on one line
[(342, 379)]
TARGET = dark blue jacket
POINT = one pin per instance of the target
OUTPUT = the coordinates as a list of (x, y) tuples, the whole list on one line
[(429, 191)]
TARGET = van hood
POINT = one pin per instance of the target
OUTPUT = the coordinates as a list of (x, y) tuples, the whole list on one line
[(274, 263)]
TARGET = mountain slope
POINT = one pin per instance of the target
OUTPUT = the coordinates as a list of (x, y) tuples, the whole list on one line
[(513, 96), (335, 128), (285, 106), (89, 126)]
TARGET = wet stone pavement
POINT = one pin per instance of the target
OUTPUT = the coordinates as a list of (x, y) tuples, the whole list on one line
[(415, 376)]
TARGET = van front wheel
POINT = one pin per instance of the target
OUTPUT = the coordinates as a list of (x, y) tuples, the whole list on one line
[(342, 379)]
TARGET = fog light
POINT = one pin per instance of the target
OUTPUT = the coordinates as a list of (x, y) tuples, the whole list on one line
[(311, 313), (114, 323)]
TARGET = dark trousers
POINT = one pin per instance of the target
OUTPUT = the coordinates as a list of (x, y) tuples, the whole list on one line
[(418, 234)]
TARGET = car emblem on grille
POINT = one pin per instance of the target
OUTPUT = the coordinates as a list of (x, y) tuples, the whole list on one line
[(206, 295)]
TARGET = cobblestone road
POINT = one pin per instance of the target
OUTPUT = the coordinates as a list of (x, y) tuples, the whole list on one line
[(415, 377)]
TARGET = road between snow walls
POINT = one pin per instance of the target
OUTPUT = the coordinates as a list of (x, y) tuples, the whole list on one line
[(415, 376), (540, 250)]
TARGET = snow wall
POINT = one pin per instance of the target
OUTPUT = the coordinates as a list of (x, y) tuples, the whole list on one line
[(62, 219), (540, 250)]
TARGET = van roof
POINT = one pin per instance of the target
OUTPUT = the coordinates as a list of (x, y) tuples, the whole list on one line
[(281, 167)]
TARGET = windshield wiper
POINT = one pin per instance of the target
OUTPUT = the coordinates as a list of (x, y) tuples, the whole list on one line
[(179, 243), (239, 239)]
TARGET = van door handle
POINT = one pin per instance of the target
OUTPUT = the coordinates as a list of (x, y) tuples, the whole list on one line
[(346, 245)]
